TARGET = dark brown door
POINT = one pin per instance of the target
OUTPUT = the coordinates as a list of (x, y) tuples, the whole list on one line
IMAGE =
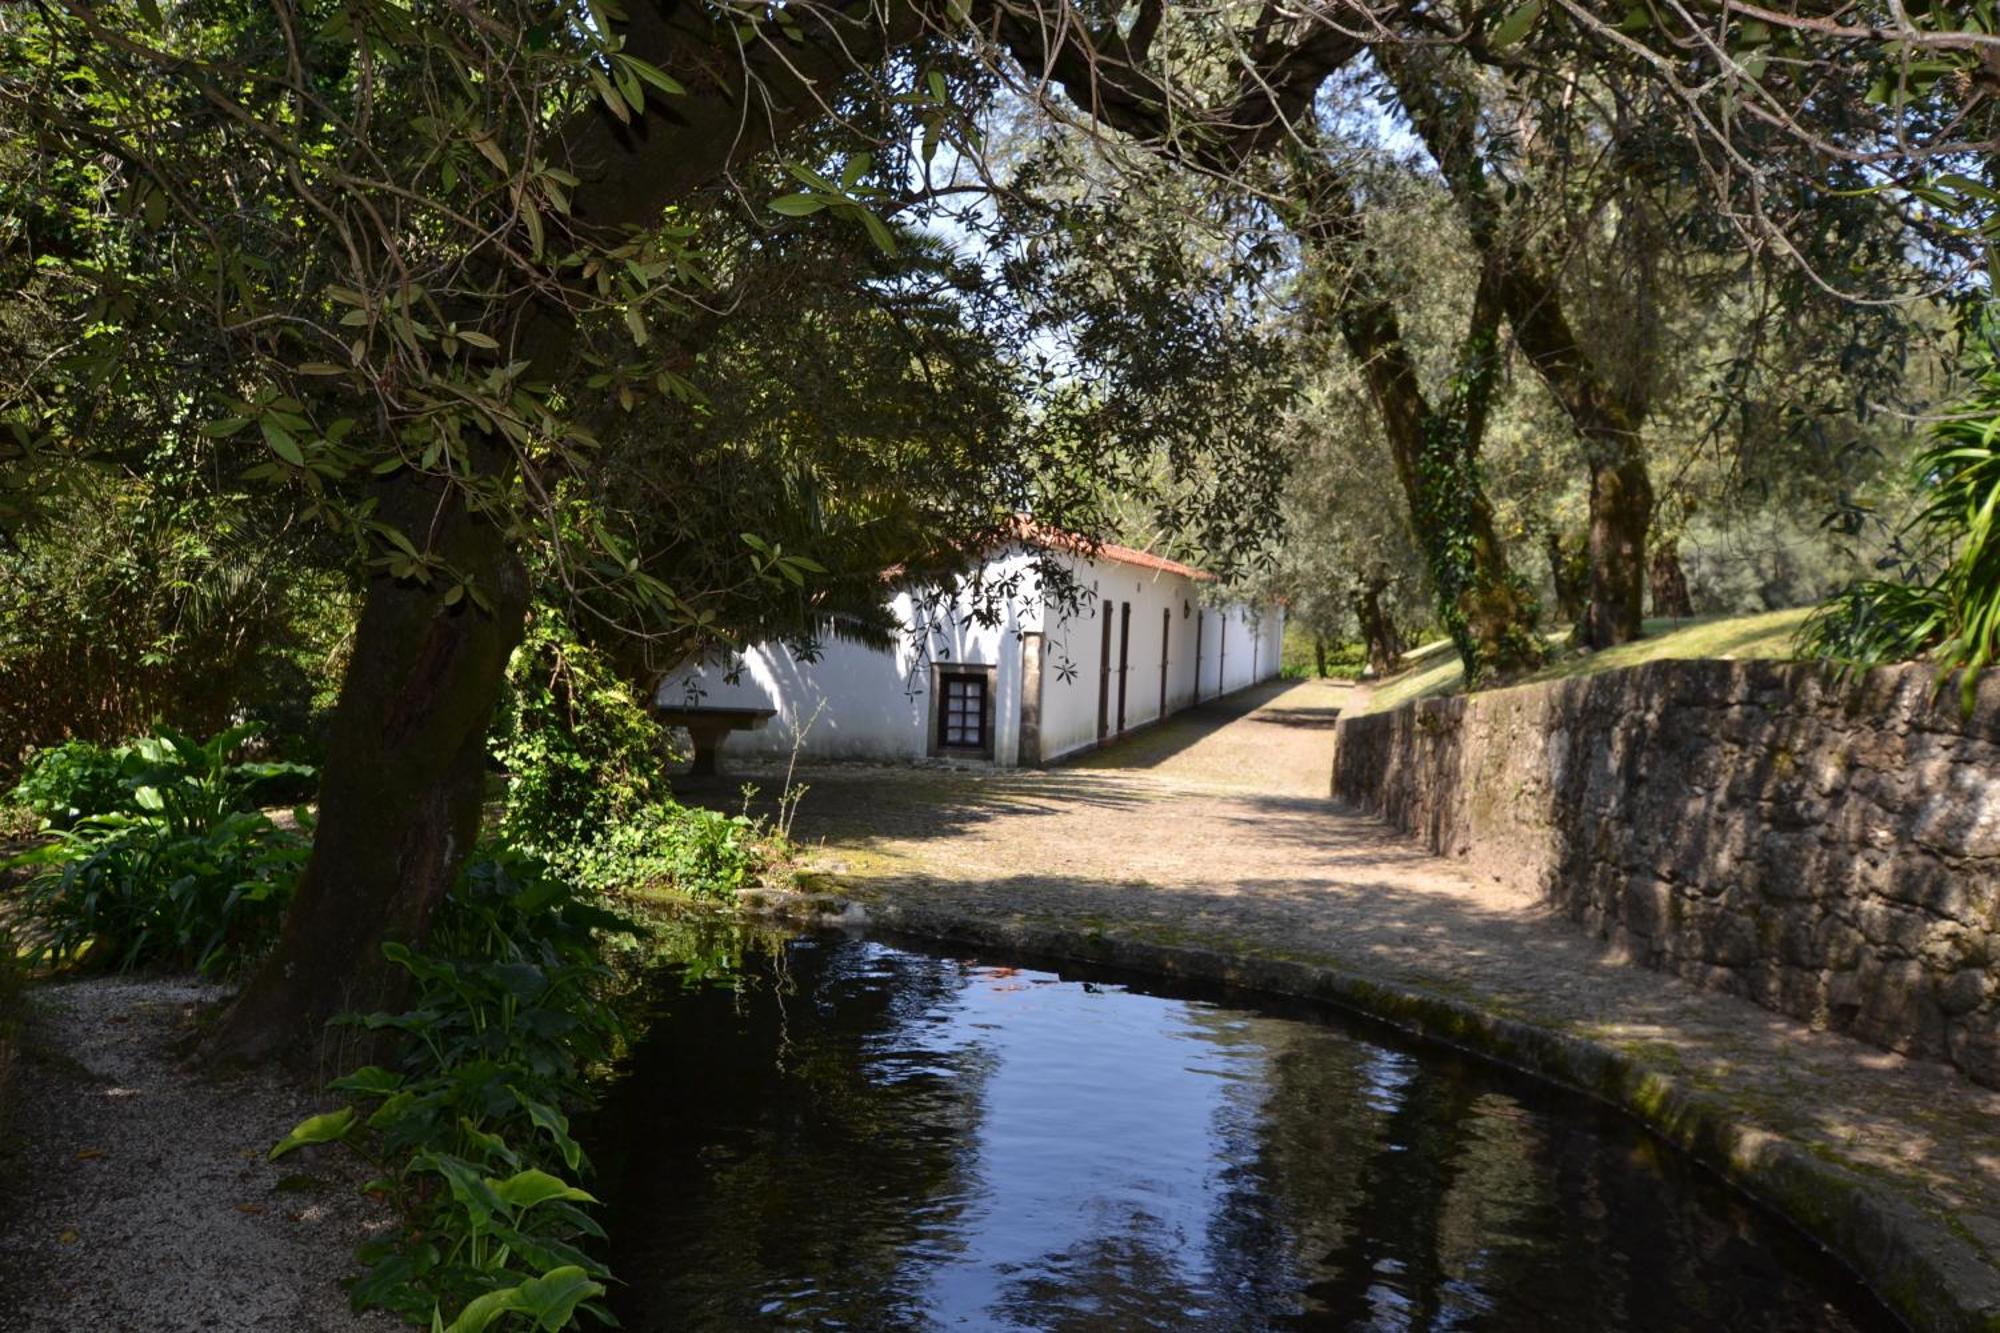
[(1222, 659), (1124, 657), (1199, 616), (1104, 676), (1166, 638)]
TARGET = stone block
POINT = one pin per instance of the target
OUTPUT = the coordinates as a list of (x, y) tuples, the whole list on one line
[(1966, 990), (1974, 1046)]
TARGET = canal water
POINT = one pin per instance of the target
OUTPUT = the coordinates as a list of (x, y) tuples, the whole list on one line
[(839, 1133)]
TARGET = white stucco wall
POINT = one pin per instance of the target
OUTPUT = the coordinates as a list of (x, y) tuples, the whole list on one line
[(877, 703), (1162, 603)]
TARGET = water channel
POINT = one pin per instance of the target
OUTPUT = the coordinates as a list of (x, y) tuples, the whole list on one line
[(840, 1133)]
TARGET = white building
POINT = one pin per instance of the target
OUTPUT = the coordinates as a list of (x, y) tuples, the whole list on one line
[(1030, 689)]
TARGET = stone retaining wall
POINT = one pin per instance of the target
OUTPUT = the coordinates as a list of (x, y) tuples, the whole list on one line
[(1830, 851)]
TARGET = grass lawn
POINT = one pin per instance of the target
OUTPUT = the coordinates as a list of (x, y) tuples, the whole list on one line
[(1768, 634)]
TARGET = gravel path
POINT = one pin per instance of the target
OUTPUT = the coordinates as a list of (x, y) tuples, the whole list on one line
[(137, 1197), (1215, 829)]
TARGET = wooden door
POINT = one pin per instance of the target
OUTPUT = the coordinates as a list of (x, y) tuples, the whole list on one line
[(1104, 675), (1124, 657)]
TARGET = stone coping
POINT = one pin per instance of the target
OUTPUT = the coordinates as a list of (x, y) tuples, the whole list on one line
[(1921, 1269)]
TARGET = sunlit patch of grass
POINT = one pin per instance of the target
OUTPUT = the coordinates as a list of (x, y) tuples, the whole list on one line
[(1770, 634)]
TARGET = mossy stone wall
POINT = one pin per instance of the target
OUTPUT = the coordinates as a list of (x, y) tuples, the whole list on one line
[(1830, 850)]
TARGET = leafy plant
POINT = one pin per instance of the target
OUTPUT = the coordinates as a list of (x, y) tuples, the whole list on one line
[(579, 750), (65, 782), (468, 1125), (690, 849), (165, 865), (1947, 603)]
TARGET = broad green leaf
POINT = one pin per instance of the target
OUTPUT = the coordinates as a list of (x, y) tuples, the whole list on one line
[(1515, 26), (328, 1128), (281, 442), (797, 205), (525, 1189), (369, 1081), (480, 1313), (553, 1297)]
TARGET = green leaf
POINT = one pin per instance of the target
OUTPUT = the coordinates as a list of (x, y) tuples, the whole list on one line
[(369, 1081), (473, 1192), (635, 321), (328, 1128), (223, 429), (525, 1189), (797, 205), (1515, 26), (481, 1312), (654, 75), (281, 442), (553, 1297), (878, 232), (553, 1123)]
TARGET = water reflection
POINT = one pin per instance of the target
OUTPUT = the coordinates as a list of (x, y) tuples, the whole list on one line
[(856, 1136)]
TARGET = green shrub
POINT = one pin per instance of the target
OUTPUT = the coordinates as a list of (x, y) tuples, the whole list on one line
[(580, 752), (1946, 602), (166, 867), (64, 783), (468, 1127), (687, 848)]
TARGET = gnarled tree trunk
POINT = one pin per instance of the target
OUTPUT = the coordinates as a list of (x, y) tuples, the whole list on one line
[(1446, 115), (1621, 510), (400, 791), (399, 799), (1670, 585), (1378, 629), (1435, 447)]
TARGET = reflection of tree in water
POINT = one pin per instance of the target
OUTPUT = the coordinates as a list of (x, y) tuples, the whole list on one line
[(806, 1150), (1293, 1149), (772, 1164), (1419, 1197)]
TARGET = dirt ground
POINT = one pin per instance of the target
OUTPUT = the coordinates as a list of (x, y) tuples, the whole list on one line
[(137, 1194), (1216, 829)]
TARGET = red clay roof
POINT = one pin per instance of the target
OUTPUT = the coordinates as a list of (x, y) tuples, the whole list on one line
[(1125, 555), (1039, 535)]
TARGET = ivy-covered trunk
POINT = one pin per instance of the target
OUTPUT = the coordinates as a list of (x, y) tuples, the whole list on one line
[(399, 801), (1488, 611), (1523, 282)]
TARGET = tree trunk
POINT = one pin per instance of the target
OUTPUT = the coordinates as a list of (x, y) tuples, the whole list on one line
[(1572, 579), (1319, 655), (1489, 612), (1621, 509), (1670, 585), (400, 795), (1378, 630), (401, 789), (1447, 116)]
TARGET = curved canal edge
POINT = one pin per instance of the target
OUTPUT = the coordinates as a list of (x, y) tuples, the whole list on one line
[(1922, 1270)]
